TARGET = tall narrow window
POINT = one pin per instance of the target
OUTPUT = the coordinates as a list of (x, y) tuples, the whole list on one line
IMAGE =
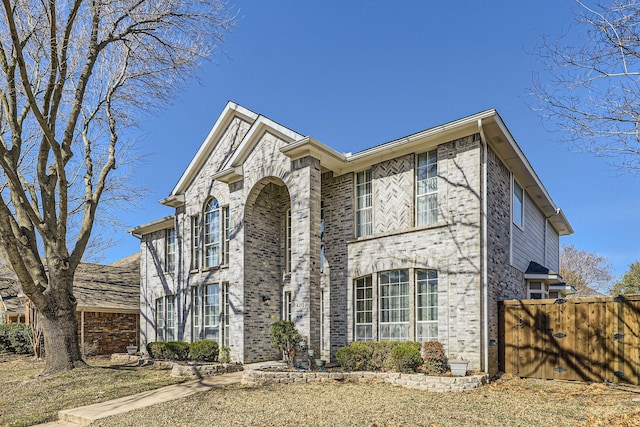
[(212, 234), (364, 309), (196, 313), (195, 242), (170, 250), (226, 232), (322, 320), (321, 236), (225, 314), (394, 305), (212, 312), (286, 315), (427, 188), (364, 204), (171, 318), (518, 204), (287, 239), (426, 305), (160, 319)]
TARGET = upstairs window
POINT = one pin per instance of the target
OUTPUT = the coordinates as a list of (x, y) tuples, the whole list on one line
[(212, 233), (195, 242), (287, 242), (170, 250), (364, 204), (427, 188), (518, 204), (226, 232)]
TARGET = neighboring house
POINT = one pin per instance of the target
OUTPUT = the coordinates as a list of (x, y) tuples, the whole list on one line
[(108, 310), (415, 239)]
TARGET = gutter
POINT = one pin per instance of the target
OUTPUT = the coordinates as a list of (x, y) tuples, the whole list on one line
[(485, 273)]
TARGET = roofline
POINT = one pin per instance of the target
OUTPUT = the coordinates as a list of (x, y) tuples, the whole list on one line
[(150, 227)]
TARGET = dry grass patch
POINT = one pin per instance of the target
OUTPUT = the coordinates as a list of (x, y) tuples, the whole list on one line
[(26, 400), (508, 402)]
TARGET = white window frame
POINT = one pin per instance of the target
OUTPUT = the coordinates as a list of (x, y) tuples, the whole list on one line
[(195, 242), (363, 308), (287, 242), (364, 203), (170, 250), (517, 218), (171, 318), (211, 312), (226, 231), (196, 313), (427, 188), (160, 319), (426, 305), (212, 228), (394, 306), (225, 306), (287, 306), (537, 289)]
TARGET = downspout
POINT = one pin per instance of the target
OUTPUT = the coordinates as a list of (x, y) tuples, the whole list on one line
[(485, 273)]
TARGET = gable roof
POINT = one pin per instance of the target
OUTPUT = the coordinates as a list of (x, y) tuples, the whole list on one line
[(487, 123), (97, 287)]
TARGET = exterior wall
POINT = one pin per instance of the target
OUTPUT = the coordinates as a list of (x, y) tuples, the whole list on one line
[(528, 242), (451, 246), (106, 333)]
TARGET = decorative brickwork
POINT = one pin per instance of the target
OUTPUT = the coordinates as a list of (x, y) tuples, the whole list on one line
[(106, 333)]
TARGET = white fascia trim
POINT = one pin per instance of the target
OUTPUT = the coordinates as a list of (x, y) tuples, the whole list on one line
[(150, 227), (230, 110)]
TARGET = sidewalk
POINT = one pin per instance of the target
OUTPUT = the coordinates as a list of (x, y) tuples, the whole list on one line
[(85, 415)]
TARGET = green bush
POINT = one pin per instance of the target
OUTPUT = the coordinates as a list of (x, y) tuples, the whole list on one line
[(435, 361), (355, 357), (225, 354), (172, 350), (16, 338), (284, 337), (204, 351), (379, 356), (405, 357)]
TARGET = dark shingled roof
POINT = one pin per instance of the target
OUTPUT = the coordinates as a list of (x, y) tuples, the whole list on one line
[(535, 268), (114, 288)]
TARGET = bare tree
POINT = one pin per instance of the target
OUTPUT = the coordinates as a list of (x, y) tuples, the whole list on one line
[(75, 76), (589, 89), (588, 272)]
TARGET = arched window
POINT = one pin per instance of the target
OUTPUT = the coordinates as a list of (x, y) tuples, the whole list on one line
[(212, 233)]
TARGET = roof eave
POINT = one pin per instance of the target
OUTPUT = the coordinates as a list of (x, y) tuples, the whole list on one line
[(150, 227)]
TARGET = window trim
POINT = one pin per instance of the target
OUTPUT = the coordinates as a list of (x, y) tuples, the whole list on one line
[(170, 250), (212, 234), (515, 184), (370, 336), (196, 242), (367, 185), (287, 242), (431, 154)]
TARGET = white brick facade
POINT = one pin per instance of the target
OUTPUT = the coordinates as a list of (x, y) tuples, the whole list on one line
[(279, 188)]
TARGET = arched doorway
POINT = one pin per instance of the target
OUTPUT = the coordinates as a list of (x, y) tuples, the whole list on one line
[(266, 265)]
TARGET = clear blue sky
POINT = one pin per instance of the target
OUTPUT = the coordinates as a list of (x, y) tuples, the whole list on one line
[(359, 73)]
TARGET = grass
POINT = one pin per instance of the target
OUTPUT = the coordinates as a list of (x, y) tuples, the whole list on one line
[(26, 400)]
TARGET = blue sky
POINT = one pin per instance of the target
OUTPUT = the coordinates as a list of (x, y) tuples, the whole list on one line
[(360, 73)]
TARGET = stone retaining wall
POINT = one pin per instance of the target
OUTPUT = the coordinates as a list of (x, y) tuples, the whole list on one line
[(200, 371), (417, 381)]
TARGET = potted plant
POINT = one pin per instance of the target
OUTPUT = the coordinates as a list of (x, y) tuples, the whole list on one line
[(458, 366), (132, 349)]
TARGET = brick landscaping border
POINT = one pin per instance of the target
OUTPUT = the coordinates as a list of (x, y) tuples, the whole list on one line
[(256, 377)]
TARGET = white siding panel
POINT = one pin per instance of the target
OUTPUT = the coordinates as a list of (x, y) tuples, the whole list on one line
[(528, 242)]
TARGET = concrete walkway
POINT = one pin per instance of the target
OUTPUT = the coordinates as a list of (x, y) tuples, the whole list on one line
[(85, 415)]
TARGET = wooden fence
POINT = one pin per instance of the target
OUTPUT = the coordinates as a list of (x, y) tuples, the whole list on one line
[(585, 339)]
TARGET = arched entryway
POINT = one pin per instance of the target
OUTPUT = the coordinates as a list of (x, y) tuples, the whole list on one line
[(265, 266)]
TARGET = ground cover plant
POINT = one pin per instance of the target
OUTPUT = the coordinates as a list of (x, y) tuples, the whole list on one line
[(507, 402), (26, 399)]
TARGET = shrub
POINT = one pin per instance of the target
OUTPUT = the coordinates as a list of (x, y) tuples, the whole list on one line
[(355, 357), (284, 337), (405, 357), (225, 354), (204, 351), (435, 361), (16, 338), (172, 350)]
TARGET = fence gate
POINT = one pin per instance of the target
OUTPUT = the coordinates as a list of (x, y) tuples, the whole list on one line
[(585, 339)]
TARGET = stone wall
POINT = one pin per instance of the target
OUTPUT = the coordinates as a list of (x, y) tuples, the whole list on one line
[(106, 333), (415, 381)]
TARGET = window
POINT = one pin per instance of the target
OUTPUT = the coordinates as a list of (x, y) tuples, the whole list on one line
[(170, 250), (286, 315), (196, 313), (394, 305), (321, 236), (518, 204), (364, 204), (427, 188), (195, 242), (287, 261), (537, 290), (160, 319), (364, 309), (212, 234), (212, 312), (389, 311), (166, 318), (426, 305), (225, 314), (226, 233)]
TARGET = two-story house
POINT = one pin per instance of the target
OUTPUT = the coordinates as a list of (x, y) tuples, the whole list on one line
[(414, 239)]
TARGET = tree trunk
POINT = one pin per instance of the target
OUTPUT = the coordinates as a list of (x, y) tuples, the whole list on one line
[(60, 328)]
